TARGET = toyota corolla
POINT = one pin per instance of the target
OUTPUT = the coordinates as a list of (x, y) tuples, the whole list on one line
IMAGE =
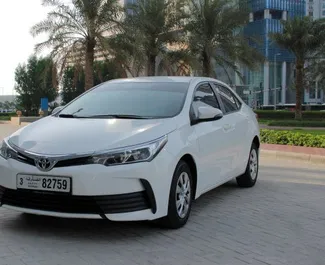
[(132, 149)]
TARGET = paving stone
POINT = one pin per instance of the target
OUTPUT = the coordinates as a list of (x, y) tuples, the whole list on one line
[(281, 221)]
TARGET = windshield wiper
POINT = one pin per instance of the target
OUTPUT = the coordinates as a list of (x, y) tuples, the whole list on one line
[(66, 116), (72, 115), (118, 116)]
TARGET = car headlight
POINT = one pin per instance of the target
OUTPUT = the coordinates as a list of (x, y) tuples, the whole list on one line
[(6, 151), (134, 154)]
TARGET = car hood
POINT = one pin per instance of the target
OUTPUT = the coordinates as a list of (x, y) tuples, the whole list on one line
[(61, 136)]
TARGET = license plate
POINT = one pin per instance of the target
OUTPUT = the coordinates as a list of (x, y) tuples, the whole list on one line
[(44, 183)]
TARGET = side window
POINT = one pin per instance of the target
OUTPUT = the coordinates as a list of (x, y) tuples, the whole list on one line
[(204, 96), (229, 100)]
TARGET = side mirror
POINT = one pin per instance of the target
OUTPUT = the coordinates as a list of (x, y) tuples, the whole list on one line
[(207, 114), (57, 109)]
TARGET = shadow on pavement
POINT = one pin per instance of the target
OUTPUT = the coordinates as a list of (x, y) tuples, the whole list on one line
[(28, 224)]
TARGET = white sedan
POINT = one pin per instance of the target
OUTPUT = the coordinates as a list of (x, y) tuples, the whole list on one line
[(132, 149)]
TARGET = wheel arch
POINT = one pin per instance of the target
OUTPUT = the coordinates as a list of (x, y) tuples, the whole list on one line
[(256, 141), (190, 161)]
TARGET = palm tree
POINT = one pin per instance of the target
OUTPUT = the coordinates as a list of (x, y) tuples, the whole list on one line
[(302, 37), (128, 57), (214, 36), (6, 105), (315, 69), (149, 27), (76, 32)]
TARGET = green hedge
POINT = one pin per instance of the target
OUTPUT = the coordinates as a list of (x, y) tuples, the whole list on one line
[(303, 107), (5, 118), (7, 114), (292, 138), (294, 123), (288, 115)]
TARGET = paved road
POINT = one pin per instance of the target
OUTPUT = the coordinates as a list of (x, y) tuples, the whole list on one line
[(6, 129), (279, 221)]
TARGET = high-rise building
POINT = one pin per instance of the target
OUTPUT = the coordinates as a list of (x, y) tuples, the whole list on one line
[(315, 8), (271, 83)]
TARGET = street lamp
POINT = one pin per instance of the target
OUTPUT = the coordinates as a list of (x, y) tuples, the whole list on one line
[(275, 95)]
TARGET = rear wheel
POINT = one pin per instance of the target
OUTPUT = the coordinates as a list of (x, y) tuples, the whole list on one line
[(249, 178), (180, 197)]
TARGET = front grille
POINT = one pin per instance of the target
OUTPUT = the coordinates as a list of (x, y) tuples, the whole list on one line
[(66, 203), (73, 162), (25, 159), (62, 163)]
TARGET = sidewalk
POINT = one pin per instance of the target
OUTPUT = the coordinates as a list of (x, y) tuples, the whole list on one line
[(6, 129), (307, 154)]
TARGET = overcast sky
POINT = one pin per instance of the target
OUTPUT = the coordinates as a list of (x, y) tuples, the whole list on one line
[(16, 43)]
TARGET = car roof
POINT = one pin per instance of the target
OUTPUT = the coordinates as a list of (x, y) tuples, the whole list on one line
[(163, 79)]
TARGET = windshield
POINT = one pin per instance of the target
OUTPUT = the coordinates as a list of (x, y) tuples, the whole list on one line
[(130, 100)]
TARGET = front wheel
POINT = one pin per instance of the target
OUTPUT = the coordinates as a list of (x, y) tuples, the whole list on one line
[(180, 197), (249, 178)]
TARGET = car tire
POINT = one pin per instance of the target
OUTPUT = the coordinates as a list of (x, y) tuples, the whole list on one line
[(249, 178), (180, 198)]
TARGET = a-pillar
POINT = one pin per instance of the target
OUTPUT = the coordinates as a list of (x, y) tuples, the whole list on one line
[(284, 82), (266, 83)]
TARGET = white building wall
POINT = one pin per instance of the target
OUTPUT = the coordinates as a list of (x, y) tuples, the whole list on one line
[(315, 8), (284, 82), (266, 83)]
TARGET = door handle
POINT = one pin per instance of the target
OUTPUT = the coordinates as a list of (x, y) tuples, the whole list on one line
[(227, 127)]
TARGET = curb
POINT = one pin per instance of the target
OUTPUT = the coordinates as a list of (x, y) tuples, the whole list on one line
[(24, 124), (314, 159)]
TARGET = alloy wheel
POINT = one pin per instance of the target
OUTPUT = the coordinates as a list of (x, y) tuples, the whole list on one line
[(253, 164), (183, 195)]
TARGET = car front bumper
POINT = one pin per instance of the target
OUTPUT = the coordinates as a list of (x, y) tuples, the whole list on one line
[(130, 192)]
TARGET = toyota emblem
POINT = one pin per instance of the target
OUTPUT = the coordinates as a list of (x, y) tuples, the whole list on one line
[(44, 164)]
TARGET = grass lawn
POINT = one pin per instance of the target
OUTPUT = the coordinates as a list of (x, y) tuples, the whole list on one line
[(293, 123), (261, 121)]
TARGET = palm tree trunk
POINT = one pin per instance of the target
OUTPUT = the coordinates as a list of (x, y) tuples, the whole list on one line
[(299, 88), (151, 67), (89, 68), (206, 61), (55, 82), (123, 72)]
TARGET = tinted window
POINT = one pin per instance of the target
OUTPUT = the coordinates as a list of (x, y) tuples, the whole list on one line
[(204, 96), (157, 100), (229, 100)]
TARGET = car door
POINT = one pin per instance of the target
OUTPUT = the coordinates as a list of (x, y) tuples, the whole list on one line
[(212, 140), (236, 127)]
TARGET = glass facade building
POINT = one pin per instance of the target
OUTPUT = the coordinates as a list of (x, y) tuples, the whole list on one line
[(266, 16), (271, 83)]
